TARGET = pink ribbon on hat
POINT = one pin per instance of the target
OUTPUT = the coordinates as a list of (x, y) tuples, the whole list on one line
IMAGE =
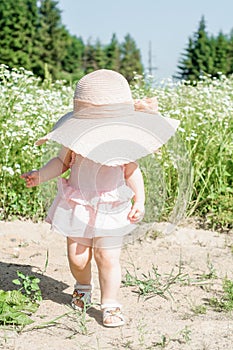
[(146, 104), (84, 110)]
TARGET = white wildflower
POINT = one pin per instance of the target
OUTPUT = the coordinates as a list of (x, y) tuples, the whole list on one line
[(181, 129), (8, 170)]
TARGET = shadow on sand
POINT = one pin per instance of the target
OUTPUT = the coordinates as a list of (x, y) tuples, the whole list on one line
[(51, 289)]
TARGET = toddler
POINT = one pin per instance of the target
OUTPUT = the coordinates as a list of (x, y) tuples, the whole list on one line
[(103, 197)]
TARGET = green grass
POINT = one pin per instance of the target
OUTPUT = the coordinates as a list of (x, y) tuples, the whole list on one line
[(192, 175), (225, 302), (16, 306), (29, 286), (153, 283), (197, 164), (28, 109)]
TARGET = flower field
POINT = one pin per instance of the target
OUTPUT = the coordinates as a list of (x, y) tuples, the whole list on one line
[(197, 164), (191, 175), (28, 108)]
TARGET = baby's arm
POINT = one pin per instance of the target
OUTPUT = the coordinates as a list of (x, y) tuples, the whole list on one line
[(134, 180), (55, 167)]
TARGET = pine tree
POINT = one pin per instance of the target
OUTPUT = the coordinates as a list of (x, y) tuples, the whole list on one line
[(72, 63), (94, 57), (186, 63), (53, 38), (112, 53), (18, 25), (99, 55), (230, 54), (220, 55), (199, 56), (89, 63), (130, 59)]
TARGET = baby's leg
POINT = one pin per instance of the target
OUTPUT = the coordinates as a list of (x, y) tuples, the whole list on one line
[(109, 274), (107, 252), (79, 256)]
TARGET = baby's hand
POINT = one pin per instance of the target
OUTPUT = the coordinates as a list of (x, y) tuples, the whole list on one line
[(32, 178), (137, 212)]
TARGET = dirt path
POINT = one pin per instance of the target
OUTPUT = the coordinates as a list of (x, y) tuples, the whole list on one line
[(198, 261)]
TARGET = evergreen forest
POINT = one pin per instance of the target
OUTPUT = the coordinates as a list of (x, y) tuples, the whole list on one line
[(206, 55), (33, 36)]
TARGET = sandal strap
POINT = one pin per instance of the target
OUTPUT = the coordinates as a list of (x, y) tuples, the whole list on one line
[(84, 287), (113, 312)]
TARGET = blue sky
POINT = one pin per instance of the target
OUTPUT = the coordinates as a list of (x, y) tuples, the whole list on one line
[(166, 23)]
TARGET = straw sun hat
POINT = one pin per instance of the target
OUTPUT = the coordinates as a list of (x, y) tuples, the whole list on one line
[(104, 125)]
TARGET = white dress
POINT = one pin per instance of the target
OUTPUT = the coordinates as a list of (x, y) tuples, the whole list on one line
[(94, 202)]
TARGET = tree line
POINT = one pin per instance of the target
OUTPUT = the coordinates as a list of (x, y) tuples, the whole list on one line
[(32, 36), (206, 54)]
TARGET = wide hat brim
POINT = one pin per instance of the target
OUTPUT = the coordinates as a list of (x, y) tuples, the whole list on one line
[(111, 140)]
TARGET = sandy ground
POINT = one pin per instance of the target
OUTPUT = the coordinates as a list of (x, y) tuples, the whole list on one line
[(201, 259)]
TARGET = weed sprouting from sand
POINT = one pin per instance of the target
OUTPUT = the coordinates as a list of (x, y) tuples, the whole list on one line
[(80, 321), (182, 337), (142, 332), (17, 305), (46, 263), (29, 285), (163, 342), (211, 274), (198, 309), (153, 283), (225, 302), (77, 318), (185, 335)]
